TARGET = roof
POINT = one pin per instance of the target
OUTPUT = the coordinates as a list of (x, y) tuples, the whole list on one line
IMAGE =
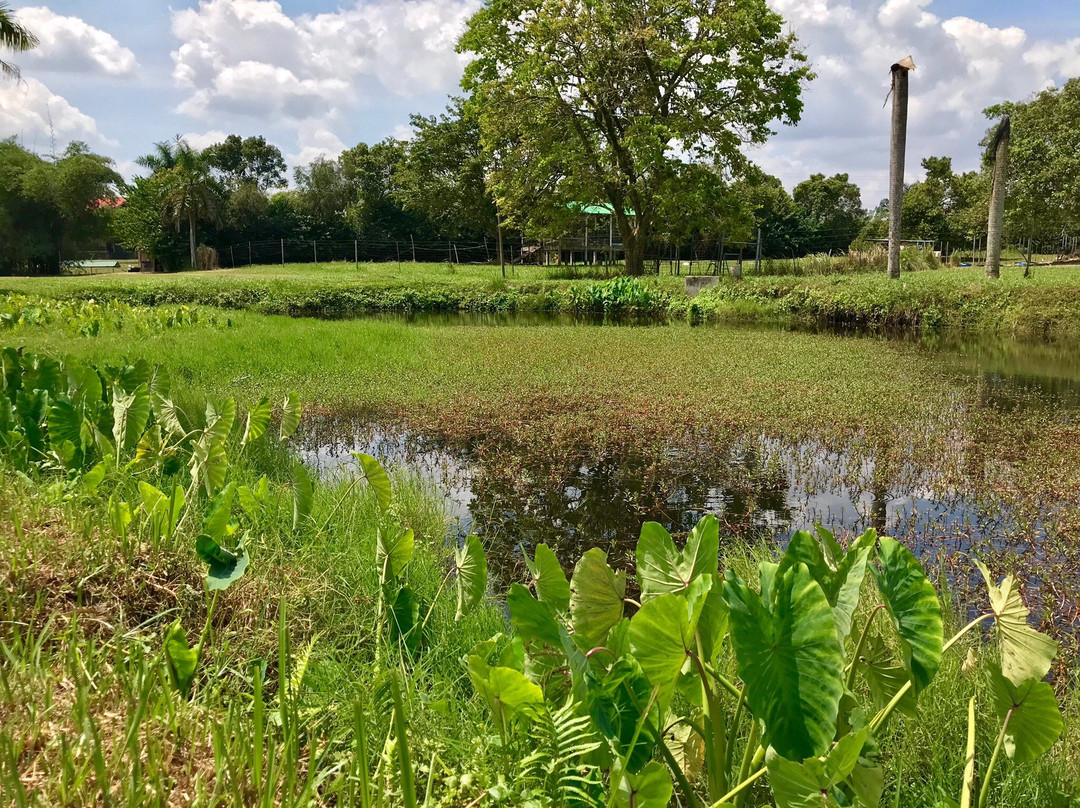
[(602, 209)]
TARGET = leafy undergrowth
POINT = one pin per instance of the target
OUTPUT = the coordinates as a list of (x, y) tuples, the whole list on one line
[(1045, 305)]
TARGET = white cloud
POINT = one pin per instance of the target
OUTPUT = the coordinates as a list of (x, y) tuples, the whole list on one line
[(962, 66), (70, 44), (32, 112), (250, 58), (201, 140), (316, 143)]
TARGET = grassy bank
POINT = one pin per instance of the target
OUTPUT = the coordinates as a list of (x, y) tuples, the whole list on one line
[(1046, 305)]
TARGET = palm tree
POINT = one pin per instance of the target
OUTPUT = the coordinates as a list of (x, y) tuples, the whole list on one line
[(13, 36), (190, 192), (164, 155), (1000, 149)]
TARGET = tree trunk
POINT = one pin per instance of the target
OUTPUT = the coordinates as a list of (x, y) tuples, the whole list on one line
[(997, 199), (897, 153), (634, 249), (191, 238)]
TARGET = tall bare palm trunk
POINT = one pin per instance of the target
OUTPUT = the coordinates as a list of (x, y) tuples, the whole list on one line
[(191, 237), (897, 154), (1000, 149)]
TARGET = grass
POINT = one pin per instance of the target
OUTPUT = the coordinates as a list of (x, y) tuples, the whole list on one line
[(86, 713), (1045, 305)]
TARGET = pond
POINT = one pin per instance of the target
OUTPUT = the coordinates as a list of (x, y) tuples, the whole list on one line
[(761, 487)]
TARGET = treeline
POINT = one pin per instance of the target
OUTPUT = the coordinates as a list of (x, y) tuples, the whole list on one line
[(435, 187)]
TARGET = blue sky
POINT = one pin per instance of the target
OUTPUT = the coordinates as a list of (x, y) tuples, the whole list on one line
[(315, 76)]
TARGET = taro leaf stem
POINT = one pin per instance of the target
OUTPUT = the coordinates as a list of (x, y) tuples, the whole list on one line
[(984, 789)]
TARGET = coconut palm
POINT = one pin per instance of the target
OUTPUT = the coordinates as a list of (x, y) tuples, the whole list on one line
[(1000, 149), (190, 192), (13, 36), (164, 155)]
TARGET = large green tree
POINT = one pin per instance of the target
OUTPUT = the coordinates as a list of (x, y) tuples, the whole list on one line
[(247, 161), (52, 208), (1044, 164), (589, 102), (444, 174), (945, 206), (832, 207), (15, 37), (189, 193)]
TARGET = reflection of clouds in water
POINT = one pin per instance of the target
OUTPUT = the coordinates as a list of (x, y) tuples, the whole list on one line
[(760, 489)]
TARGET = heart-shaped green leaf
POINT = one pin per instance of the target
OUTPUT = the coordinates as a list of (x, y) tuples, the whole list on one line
[(915, 610), (290, 415), (616, 702), (840, 574), (596, 596), (303, 495), (662, 569), (131, 411), (548, 578), (472, 574), (663, 634), (1025, 653), (220, 419), (219, 513), (649, 788), (376, 477), (404, 618), (257, 422), (393, 551), (789, 657), (180, 660), (223, 567), (505, 690), (532, 619), (1032, 711)]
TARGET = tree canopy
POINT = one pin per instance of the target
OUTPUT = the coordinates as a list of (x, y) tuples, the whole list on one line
[(1043, 200), (588, 102)]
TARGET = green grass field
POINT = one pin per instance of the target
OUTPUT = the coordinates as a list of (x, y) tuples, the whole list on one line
[(1045, 305)]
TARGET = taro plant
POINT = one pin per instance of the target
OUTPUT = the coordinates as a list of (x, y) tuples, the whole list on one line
[(827, 645)]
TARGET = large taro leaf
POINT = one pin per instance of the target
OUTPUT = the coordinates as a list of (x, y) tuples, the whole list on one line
[(662, 569), (84, 386), (180, 660), (649, 788), (393, 551), (131, 411), (1035, 721), (596, 596), (257, 422), (376, 477), (663, 634), (220, 419), (505, 690), (67, 422), (472, 574), (303, 495), (532, 619), (218, 516), (885, 678), (616, 703), (840, 574), (404, 616), (170, 416), (548, 578), (789, 657), (809, 784), (209, 464), (1025, 653), (223, 567), (916, 613), (290, 415), (162, 512)]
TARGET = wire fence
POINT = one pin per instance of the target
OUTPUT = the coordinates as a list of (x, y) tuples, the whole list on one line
[(701, 256)]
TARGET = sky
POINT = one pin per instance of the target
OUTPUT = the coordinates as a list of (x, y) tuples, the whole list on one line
[(317, 76)]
